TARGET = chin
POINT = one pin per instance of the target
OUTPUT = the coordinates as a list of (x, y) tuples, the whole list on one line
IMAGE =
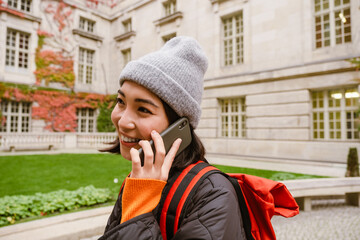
[(125, 153)]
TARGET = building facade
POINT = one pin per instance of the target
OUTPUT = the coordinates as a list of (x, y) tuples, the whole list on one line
[(279, 84)]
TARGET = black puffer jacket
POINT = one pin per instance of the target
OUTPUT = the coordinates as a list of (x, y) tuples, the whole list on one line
[(212, 214)]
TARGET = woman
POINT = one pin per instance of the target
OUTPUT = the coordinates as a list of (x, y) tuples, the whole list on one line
[(155, 91)]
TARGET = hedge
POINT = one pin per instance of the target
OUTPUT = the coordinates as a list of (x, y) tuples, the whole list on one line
[(14, 208)]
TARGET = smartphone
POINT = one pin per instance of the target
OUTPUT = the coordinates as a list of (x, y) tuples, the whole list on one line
[(179, 129)]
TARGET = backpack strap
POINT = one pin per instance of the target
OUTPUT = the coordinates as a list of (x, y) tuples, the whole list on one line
[(243, 207), (173, 208), (181, 193)]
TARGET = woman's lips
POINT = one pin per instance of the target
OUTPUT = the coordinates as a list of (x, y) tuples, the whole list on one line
[(128, 144), (128, 141)]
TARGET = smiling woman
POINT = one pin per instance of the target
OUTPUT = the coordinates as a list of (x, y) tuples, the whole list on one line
[(155, 91)]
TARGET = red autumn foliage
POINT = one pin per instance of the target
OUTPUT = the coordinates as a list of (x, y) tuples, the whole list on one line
[(92, 3), (60, 13), (19, 95), (43, 33), (57, 109), (52, 66)]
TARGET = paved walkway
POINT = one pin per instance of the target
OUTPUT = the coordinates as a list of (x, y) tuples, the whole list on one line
[(72, 226), (330, 219)]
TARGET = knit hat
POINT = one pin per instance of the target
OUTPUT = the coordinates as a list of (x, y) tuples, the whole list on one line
[(174, 73)]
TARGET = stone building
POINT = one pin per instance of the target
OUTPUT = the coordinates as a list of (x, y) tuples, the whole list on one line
[(279, 87)]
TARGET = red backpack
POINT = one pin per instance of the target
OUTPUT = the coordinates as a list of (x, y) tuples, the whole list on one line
[(259, 199)]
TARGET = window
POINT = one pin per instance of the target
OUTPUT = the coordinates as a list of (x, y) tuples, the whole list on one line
[(169, 7), (168, 37), (334, 114), (232, 117), (126, 56), (23, 5), (127, 25), (233, 40), (332, 22), (17, 49), (16, 116), (86, 120), (86, 65), (86, 25)]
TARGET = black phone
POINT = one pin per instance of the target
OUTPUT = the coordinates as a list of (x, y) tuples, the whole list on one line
[(179, 129)]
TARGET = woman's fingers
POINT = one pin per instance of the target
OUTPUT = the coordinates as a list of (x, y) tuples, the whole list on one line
[(156, 165), (170, 156), (135, 161), (160, 149), (148, 154)]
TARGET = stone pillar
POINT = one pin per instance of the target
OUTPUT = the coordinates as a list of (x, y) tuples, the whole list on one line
[(353, 199), (304, 203), (70, 140)]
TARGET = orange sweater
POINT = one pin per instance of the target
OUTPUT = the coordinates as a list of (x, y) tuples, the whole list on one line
[(140, 196)]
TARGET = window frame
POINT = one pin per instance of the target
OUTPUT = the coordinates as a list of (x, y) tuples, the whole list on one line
[(17, 57), (232, 129), (126, 54), (237, 49), (87, 25), (127, 25), (169, 7), (21, 116), (86, 119), (335, 121), (19, 4), (320, 38), (167, 37), (83, 75)]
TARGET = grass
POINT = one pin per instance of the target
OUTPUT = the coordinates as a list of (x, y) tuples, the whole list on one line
[(274, 175), (29, 174)]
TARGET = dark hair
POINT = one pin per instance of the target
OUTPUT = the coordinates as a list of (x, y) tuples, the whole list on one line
[(193, 153)]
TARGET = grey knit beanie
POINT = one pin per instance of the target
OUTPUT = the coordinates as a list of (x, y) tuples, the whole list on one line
[(175, 74)]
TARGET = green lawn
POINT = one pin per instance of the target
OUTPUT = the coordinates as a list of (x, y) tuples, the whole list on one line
[(28, 174), (274, 175)]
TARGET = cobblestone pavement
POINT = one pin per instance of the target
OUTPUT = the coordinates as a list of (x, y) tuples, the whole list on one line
[(329, 220)]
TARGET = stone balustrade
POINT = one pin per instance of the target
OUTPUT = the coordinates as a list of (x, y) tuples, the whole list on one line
[(96, 140), (36, 141), (304, 190)]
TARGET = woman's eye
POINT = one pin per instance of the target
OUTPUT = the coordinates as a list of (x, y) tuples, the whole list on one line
[(119, 101), (144, 110)]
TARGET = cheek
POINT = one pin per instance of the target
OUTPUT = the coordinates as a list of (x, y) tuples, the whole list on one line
[(162, 126), (145, 128), (115, 116), (158, 125)]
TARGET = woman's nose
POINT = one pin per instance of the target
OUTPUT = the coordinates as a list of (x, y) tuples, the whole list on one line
[(126, 120)]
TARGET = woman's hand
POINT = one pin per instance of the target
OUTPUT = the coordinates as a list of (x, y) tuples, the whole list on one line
[(154, 168)]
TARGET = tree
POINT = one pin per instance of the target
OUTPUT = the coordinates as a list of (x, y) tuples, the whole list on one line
[(352, 163)]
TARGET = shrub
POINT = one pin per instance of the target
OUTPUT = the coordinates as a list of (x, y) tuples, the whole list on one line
[(352, 163), (14, 208), (104, 123)]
